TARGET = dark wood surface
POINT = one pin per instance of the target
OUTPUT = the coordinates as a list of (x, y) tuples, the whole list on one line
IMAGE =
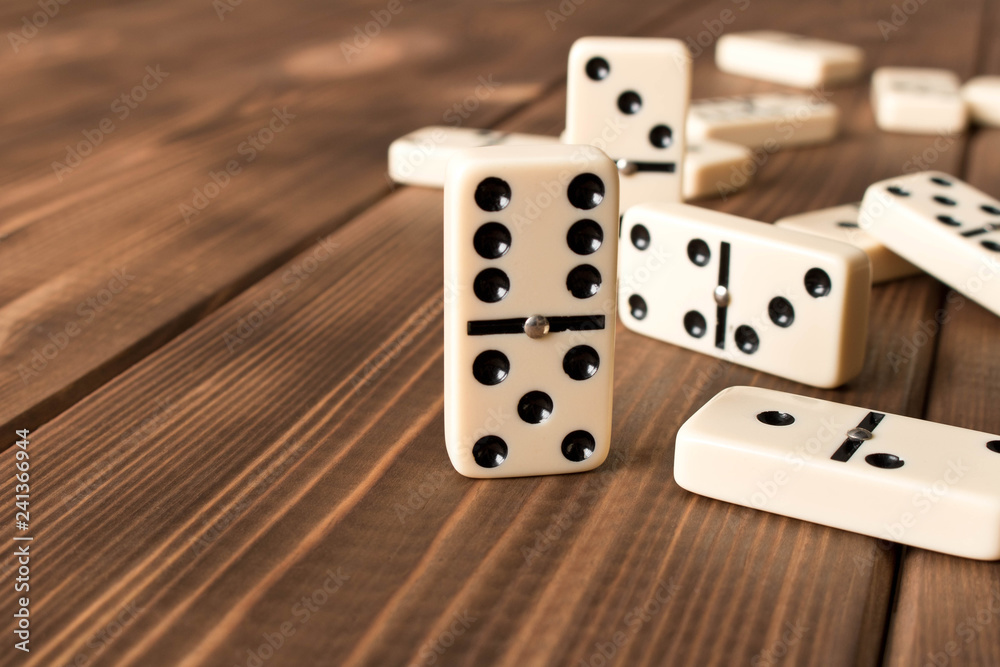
[(257, 416)]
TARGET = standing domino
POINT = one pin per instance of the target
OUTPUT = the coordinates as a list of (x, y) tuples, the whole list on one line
[(948, 228), (716, 168), (629, 97), (896, 478), (789, 59), (840, 223), (780, 301), (982, 98), (918, 100), (421, 157), (531, 243), (770, 120)]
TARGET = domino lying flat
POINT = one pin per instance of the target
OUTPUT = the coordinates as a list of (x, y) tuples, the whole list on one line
[(982, 99), (531, 249), (789, 59), (910, 481), (772, 120), (948, 228), (421, 157), (779, 301), (629, 97), (918, 100), (716, 168), (840, 223)]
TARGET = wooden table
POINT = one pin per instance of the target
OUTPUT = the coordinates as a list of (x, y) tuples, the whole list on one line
[(222, 326)]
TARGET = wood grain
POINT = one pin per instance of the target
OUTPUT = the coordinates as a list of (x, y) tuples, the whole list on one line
[(276, 472), (64, 330)]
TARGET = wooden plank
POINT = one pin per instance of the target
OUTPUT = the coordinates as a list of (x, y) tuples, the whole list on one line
[(69, 320), (947, 608), (226, 480)]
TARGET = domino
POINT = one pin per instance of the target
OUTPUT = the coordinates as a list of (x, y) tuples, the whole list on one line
[(982, 99), (840, 223), (792, 60), (771, 120), (628, 96), (716, 168), (531, 247), (918, 100), (776, 300), (948, 228), (421, 157), (896, 478)]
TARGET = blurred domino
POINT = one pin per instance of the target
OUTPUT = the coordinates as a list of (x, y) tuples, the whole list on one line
[(771, 120), (629, 97), (840, 223), (982, 98), (896, 478), (918, 100), (788, 59), (948, 228), (421, 157), (713, 168), (776, 300)]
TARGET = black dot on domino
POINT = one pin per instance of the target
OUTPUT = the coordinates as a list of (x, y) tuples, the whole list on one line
[(578, 446), (898, 191), (535, 407), (489, 451), (639, 236), (491, 367), (940, 181), (886, 461), (993, 446), (581, 362), (583, 281), (944, 201), (775, 418), (849, 225), (781, 312), (586, 191), (747, 339), (637, 306), (585, 237), (491, 285), (989, 208), (695, 324), (661, 136), (818, 283), (948, 220), (629, 102), (492, 240), (493, 194), (598, 68), (991, 245), (699, 253)]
